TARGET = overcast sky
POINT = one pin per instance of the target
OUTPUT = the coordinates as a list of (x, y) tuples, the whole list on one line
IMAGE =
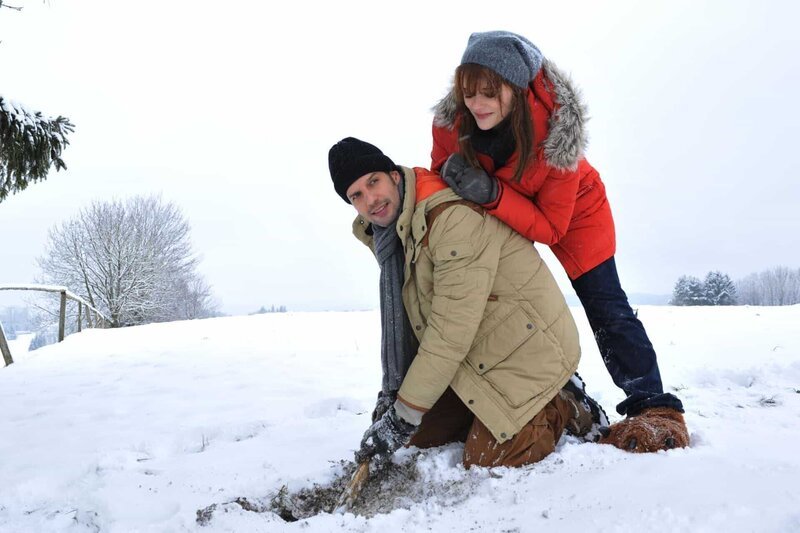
[(228, 109)]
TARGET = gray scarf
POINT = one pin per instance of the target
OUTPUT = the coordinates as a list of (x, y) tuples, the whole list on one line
[(398, 343)]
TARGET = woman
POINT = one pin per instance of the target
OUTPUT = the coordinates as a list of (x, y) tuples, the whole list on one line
[(510, 137)]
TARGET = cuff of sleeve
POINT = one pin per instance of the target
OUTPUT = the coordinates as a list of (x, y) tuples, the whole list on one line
[(493, 205), (409, 414)]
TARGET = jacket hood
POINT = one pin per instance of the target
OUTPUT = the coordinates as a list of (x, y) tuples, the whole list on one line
[(567, 137)]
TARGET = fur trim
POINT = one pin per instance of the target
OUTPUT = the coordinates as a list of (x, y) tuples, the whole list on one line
[(567, 139), (444, 112)]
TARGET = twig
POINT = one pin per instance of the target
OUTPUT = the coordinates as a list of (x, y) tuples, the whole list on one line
[(353, 489)]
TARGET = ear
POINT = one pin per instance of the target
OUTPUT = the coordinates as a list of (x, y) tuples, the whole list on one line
[(395, 175)]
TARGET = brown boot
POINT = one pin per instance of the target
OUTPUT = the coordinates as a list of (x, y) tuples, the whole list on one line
[(654, 429), (589, 416)]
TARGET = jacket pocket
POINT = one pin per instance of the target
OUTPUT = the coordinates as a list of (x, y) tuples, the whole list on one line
[(454, 250), (449, 272), (590, 198), (585, 190), (534, 368), (507, 332)]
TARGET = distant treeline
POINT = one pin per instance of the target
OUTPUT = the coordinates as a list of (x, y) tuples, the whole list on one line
[(272, 309), (777, 286)]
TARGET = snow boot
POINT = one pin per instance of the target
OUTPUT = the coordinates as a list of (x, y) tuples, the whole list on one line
[(654, 429), (589, 415)]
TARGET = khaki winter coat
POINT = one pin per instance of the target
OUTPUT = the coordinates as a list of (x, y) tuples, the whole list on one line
[(491, 320)]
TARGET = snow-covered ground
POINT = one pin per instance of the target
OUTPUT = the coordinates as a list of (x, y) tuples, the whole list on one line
[(19, 346), (137, 429)]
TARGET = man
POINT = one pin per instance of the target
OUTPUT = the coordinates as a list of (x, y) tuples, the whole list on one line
[(478, 344)]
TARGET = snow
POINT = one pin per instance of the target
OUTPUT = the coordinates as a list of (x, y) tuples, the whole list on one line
[(24, 117), (136, 429), (32, 287), (19, 346)]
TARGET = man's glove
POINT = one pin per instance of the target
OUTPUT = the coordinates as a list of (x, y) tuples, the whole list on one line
[(468, 182), (654, 429), (385, 401), (384, 437)]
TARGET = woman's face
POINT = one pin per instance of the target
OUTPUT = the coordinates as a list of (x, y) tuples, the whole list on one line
[(489, 109)]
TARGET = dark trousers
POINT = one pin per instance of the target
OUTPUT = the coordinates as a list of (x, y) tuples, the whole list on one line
[(622, 340)]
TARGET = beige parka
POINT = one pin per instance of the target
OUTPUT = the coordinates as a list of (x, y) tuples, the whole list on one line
[(490, 318)]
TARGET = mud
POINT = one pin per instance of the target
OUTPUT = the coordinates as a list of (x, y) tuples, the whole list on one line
[(393, 487)]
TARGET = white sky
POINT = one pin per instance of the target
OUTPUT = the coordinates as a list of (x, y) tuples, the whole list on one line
[(229, 109)]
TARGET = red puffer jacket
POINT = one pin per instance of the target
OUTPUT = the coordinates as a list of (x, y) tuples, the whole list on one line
[(560, 200)]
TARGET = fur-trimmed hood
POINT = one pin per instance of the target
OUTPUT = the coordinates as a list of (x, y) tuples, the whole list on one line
[(566, 139)]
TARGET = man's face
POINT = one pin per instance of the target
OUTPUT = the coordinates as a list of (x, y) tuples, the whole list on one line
[(376, 197)]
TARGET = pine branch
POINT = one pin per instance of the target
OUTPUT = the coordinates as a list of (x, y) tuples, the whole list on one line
[(29, 145), (10, 7)]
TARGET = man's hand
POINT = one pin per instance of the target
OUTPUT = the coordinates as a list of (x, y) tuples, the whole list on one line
[(654, 429), (470, 183), (384, 437), (384, 402)]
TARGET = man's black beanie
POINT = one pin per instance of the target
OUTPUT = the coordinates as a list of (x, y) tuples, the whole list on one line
[(351, 158)]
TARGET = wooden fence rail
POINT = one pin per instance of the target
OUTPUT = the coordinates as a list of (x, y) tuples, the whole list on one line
[(94, 318)]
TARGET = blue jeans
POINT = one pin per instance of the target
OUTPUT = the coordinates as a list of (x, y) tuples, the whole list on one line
[(624, 346)]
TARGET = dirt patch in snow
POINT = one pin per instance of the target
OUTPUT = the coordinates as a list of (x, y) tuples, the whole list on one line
[(393, 487)]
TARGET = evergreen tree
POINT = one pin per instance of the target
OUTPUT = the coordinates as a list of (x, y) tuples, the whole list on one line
[(689, 290), (719, 289), (680, 292), (29, 145)]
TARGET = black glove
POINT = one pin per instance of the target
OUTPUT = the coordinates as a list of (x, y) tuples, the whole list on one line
[(384, 437), (470, 183), (385, 401)]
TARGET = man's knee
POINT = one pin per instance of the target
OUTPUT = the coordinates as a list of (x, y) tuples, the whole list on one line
[(448, 420), (535, 441)]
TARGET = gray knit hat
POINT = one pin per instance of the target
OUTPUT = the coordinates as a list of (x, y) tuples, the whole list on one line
[(512, 56)]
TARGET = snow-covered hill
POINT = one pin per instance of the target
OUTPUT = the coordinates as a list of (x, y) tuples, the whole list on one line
[(137, 429)]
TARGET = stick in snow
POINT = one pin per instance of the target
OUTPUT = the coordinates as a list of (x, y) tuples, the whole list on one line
[(353, 489)]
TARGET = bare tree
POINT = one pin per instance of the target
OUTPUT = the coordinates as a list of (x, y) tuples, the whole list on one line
[(195, 299), (778, 286), (132, 260)]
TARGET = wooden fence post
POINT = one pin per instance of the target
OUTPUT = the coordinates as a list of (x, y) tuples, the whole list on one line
[(92, 316), (4, 347), (62, 316)]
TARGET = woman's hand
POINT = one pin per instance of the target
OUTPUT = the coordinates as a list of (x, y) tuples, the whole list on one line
[(470, 183)]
